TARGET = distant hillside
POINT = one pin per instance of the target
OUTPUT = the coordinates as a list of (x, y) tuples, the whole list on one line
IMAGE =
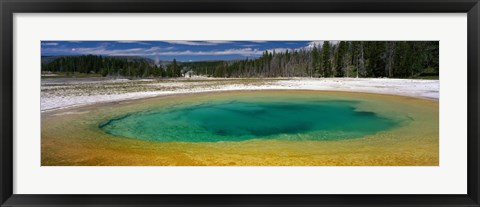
[(127, 66), (48, 59)]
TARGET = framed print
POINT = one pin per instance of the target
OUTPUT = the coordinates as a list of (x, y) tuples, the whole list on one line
[(199, 103)]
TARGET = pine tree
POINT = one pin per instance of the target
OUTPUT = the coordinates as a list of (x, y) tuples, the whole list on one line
[(326, 64), (340, 57)]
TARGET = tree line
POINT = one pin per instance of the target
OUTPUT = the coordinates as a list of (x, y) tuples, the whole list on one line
[(112, 66), (395, 59), (399, 59)]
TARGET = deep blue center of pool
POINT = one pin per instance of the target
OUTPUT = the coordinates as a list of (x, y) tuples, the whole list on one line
[(244, 120)]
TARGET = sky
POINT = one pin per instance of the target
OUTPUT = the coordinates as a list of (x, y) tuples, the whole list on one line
[(168, 50)]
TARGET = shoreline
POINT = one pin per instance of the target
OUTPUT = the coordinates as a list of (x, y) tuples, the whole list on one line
[(58, 95)]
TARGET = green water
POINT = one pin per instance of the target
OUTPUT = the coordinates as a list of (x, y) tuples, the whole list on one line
[(243, 120)]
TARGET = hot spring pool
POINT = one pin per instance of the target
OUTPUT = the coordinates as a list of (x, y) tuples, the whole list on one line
[(246, 128), (239, 120)]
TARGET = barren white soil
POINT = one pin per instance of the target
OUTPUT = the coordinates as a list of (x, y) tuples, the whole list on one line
[(59, 93)]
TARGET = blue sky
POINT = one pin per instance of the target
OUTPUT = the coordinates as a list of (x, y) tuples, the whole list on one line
[(167, 50)]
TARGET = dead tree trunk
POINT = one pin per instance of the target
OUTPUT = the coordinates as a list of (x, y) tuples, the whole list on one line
[(390, 53)]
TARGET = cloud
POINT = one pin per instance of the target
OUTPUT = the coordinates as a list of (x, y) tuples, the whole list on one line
[(49, 43), (312, 44), (156, 51), (118, 52), (278, 50), (133, 42), (249, 45), (197, 43), (319, 44), (219, 42), (233, 51), (102, 50)]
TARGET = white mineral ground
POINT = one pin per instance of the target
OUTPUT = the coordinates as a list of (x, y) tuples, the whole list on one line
[(57, 93)]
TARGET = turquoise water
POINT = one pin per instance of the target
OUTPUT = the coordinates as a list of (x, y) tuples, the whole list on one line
[(243, 120)]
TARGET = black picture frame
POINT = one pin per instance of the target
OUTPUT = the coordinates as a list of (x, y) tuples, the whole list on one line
[(10, 7)]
